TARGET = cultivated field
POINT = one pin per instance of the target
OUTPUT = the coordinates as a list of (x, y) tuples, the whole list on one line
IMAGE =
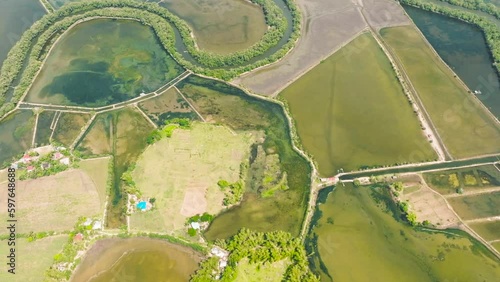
[(167, 106), (54, 203), (181, 172), (470, 180), (97, 169), (268, 272), (69, 126), (97, 139), (466, 129), (478, 206), (350, 117), (333, 23), (489, 230), (33, 258), (429, 205)]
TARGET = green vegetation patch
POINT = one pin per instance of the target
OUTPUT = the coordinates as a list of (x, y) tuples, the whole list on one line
[(269, 272), (361, 227), (477, 206), (488, 230), (35, 257), (181, 173), (168, 105), (43, 128), (97, 169), (68, 127), (97, 139), (351, 113), (16, 133), (465, 127), (224, 104), (450, 181)]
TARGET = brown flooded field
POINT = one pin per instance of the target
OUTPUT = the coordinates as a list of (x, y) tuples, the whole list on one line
[(69, 126), (137, 259)]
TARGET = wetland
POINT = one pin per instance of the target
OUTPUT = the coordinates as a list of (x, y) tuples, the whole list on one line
[(463, 47), (363, 226), (101, 62)]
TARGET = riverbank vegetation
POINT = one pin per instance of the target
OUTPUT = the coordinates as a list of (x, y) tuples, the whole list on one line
[(31, 45), (479, 5), (259, 248), (339, 118), (463, 124)]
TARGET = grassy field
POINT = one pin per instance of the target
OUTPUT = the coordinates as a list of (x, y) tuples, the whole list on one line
[(97, 169), (463, 125), (167, 106), (33, 258), (69, 126), (54, 203), (181, 172), (224, 104), (16, 133), (351, 112), (360, 238), (478, 206), (97, 139), (247, 272), (496, 245), (447, 182), (487, 230)]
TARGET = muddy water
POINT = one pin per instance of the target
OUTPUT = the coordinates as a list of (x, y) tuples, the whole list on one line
[(137, 259)]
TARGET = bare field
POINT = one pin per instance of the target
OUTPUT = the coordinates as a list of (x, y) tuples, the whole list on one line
[(331, 24), (53, 203), (33, 259), (181, 172), (429, 205)]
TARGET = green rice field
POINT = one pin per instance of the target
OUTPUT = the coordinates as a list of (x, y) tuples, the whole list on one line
[(488, 230), (477, 206), (351, 112), (466, 129), (357, 236)]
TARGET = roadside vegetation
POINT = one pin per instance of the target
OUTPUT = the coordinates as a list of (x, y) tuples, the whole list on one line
[(464, 126)]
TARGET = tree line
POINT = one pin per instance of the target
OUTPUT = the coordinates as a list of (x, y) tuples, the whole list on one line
[(478, 5), (259, 248), (31, 48)]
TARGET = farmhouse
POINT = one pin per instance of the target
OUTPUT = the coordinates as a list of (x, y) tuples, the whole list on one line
[(65, 161)]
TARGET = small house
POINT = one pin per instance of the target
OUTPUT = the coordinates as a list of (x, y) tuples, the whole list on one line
[(87, 222), (30, 168), (97, 225), (57, 156), (26, 159), (14, 166), (78, 237), (45, 165), (65, 161), (195, 225)]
